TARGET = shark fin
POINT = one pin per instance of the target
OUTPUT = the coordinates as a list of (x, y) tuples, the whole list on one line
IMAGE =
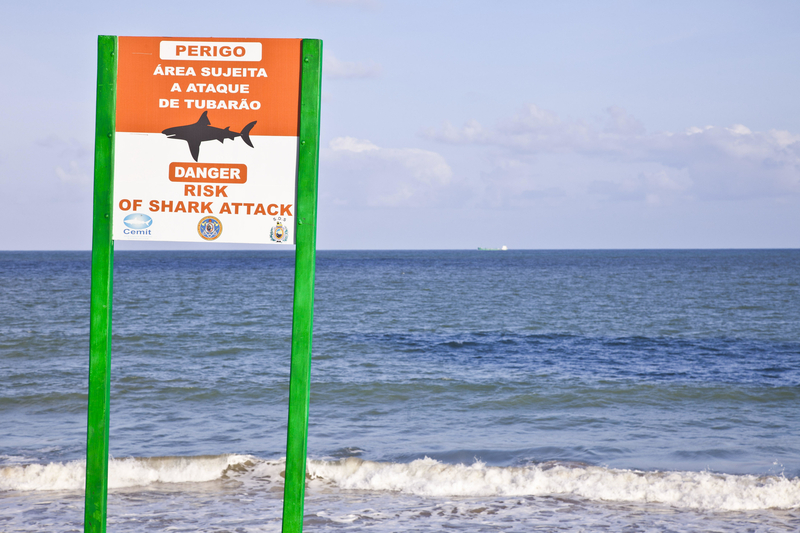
[(222, 139), (203, 121), (194, 147), (246, 133)]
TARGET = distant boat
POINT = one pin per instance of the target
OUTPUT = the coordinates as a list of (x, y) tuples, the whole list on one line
[(502, 248)]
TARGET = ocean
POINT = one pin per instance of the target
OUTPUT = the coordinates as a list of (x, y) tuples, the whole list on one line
[(476, 391)]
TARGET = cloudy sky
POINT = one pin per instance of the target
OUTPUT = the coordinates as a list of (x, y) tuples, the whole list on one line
[(458, 124)]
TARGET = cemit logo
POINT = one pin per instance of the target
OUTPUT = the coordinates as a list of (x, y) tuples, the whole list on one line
[(137, 224)]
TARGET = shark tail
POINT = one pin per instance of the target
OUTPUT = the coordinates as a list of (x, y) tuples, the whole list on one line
[(246, 133)]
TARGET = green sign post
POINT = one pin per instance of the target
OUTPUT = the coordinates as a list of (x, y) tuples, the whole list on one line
[(305, 260), (101, 296), (104, 229)]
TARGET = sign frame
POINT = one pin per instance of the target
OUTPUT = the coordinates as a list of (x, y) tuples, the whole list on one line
[(97, 438)]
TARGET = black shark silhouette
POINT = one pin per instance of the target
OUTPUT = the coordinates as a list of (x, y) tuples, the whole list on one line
[(202, 130)]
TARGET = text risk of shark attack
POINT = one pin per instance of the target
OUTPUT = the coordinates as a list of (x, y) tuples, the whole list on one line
[(199, 207)]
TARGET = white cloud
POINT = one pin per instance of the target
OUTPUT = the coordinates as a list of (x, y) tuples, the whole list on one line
[(73, 173), (73, 160), (335, 69), (620, 122), (652, 187), (708, 163), (361, 173), (349, 144)]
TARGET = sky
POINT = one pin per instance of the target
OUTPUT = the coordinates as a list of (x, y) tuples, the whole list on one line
[(461, 124)]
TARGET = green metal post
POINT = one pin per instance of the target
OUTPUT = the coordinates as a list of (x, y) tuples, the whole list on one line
[(102, 270), (305, 256)]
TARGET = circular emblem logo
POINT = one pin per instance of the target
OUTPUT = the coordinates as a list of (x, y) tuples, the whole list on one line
[(209, 228), (279, 232)]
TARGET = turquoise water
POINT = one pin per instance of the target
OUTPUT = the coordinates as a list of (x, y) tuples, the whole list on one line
[(482, 391)]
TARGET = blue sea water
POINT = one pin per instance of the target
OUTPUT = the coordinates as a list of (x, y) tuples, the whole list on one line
[(472, 390)]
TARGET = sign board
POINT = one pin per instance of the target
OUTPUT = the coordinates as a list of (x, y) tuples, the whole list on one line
[(200, 139), (206, 140)]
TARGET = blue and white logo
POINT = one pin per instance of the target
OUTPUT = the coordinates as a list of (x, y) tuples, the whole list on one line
[(138, 221)]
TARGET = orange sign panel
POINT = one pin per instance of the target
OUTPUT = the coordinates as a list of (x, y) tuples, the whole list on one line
[(161, 93)]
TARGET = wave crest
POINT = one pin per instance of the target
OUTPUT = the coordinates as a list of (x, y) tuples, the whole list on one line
[(122, 473), (696, 490), (428, 477)]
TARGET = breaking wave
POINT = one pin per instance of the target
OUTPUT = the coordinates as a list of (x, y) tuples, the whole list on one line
[(122, 473), (431, 478), (697, 490)]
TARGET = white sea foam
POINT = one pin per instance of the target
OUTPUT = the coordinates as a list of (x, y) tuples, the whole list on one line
[(129, 472), (696, 490), (427, 477)]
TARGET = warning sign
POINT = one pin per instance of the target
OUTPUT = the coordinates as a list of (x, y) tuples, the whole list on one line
[(206, 140)]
